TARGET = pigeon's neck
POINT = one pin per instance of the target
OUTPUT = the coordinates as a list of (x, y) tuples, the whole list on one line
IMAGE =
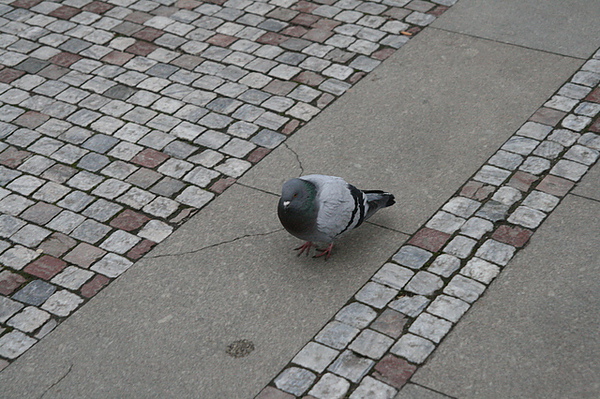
[(301, 217)]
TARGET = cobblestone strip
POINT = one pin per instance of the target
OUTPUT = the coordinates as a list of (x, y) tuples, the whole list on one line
[(374, 344), (120, 119)]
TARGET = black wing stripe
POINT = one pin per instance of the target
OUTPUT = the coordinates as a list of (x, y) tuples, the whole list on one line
[(359, 206)]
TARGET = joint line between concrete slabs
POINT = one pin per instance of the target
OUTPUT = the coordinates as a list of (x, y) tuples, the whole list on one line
[(585, 197), (511, 44), (57, 381), (214, 245), (433, 390)]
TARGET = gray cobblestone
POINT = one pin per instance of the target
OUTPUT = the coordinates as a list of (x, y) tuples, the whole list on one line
[(295, 380), (527, 217), (412, 257), (72, 277), (330, 386), (476, 227), (75, 201), (413, 348), (35, 293), (480, 270), (393, 275), (411, 306), (30, 235), (111, 265), (464, 288), (8, 308), (351, 366), (356, 314), (460, 246), (493, 211), (590, 140), (581, 154), (155, 230), (90, 231), (430, 327), (445, 222), (541, 201), (315, 357), (14, 204), (9, 225), (370, 388), (448, 307), (424, 283), (535, 165), (13, 344), (66, 222), (371, 344), (62, 303), (461, 206), (120, 242), (375, 295), (336, 335)]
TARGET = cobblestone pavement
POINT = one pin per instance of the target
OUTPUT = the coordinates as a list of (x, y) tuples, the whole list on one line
[(120, 119)]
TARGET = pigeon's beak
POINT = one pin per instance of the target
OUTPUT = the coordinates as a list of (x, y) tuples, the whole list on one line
[(286, 204)]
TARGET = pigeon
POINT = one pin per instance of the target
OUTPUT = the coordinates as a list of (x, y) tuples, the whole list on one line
[(319, 208)]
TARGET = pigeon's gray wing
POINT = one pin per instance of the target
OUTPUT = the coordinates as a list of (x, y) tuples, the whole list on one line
[(341, 206)]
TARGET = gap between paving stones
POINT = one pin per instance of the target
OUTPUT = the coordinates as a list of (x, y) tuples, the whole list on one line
[(376, 342), (119, 121)]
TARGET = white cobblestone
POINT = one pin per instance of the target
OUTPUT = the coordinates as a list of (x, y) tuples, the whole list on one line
[(413, 348), (430, 327), (315, 357), (62, 303)]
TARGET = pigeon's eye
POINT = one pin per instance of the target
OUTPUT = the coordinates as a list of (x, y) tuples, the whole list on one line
[(295, 195)]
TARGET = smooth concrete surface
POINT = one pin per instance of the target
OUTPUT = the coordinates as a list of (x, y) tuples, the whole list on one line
[(162, 329), (588, 186), (568, 27), (413, 391), (422, 123), (534, 334)]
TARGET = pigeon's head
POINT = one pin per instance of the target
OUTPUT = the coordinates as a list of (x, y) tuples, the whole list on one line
[(297, 208), (297, 195)]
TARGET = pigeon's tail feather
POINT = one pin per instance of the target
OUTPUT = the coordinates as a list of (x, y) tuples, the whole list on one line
[(377, 199)]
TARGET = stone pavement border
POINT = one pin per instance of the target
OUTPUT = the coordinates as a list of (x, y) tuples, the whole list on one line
[(120, 119), (375, 343)]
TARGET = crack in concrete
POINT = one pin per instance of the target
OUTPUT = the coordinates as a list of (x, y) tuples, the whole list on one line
[(58, 381), (214, 245), (297, 158)]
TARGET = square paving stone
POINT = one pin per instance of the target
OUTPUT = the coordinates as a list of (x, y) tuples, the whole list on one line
[(90, 231), (112, 265), (35, 293), (93, 286), (57, 244), (390, 323), (394, 371), (337, 335), (356, 314), (9, 282), (413, 348), (30, 235), (315, 357), (45, 267), (371, 344), (84, 255), (351, 366), (62, 303), (17, 257)]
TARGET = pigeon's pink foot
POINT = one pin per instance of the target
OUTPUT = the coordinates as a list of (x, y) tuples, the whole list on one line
[(326, 252), (304, 247)]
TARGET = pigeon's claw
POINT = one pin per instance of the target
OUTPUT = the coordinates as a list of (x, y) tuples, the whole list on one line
[(326, 252), (304, 247)]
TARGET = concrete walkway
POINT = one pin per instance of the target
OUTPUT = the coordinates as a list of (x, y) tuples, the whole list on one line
[(420, 125)]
